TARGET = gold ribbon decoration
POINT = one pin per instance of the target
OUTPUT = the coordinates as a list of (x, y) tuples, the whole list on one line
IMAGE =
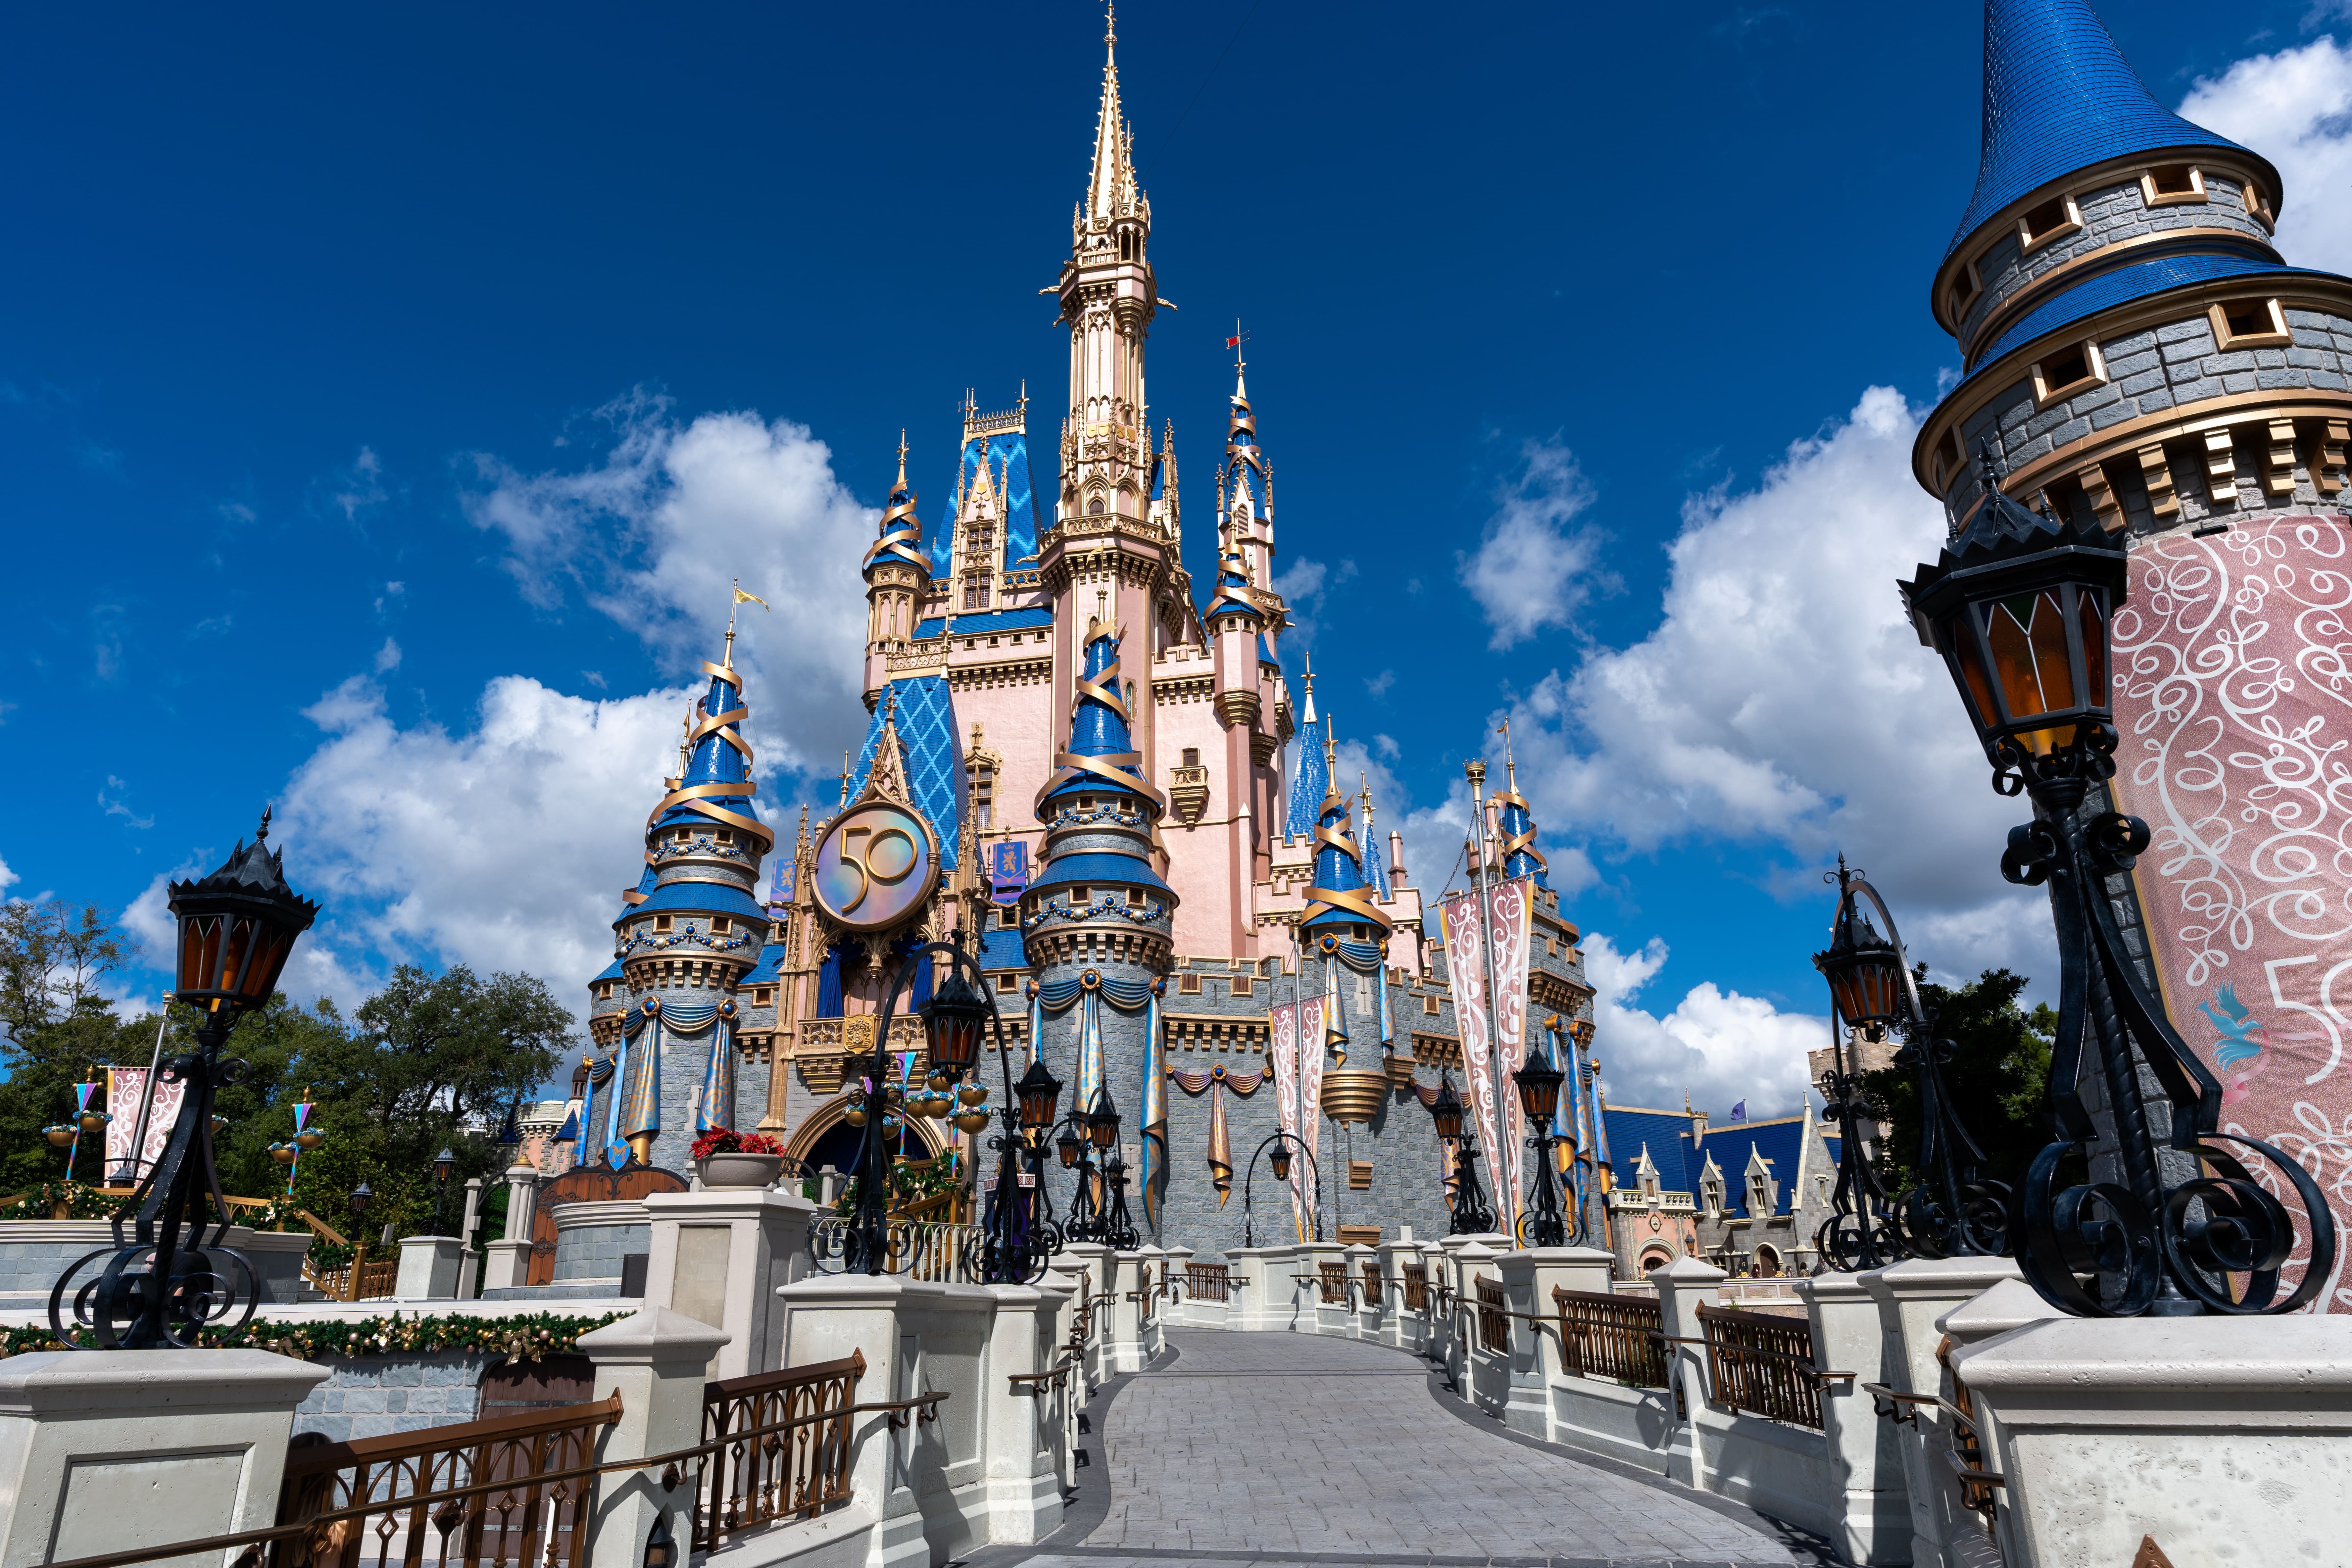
[(1518, 843)]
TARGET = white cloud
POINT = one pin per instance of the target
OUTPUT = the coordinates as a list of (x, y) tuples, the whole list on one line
[(1719, 1048), (1303, 585), (506, 846), (387, 657), (7, 879), (1784, 702), (2292, 107), (114, 806), (359, 487), (1531, 570), (653, 532)]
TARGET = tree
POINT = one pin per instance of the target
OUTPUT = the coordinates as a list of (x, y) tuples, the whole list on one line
[(1996, 1079)]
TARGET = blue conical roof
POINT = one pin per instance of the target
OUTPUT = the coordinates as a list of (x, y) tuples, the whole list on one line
[(716, 759), (1338, 870), (1099, 729), (2059, 96), (1516, 822)]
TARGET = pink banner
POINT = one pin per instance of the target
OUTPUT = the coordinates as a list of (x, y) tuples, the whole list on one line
[(2233, 661), (123, 1089), (1510, 922), (1283, 1050), (1466, 969)]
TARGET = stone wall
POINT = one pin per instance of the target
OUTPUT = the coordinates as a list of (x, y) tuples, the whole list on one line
[(370, 1396), (33, 1253)]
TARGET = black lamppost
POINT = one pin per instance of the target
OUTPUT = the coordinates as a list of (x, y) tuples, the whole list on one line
[(443, 1163), (952, 1029), (1276, 1150), (1116, 1229), (236, 928), (2019, 605), (1039, 1095), (1471, 1215), (1539, 1085), (1870, 986)]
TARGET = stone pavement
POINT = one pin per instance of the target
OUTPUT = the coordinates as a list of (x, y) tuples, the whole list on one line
[(1270, 1447)]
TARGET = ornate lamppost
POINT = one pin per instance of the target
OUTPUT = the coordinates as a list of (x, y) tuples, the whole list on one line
[(166, 1283), (2019, 605), (1020, 1216), (1115, 1229), (443, 1163), (952, 1021), (1869, 979), (1539, 1085), (1471, 1215), (1276, 1149)]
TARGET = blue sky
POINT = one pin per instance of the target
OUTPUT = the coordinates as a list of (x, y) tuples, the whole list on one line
[(387, 397)]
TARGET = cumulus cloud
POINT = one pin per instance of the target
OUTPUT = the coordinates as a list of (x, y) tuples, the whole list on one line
[(387, 657), (505, 846), (1304, 586), (7, 879), (2294, 108), (1783, 702), (1532, 569), (1716, 1046), (651, 533)]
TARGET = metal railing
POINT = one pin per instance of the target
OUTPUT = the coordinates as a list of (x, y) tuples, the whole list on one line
[(1416, 1286), (1604, 1335), (1762, 1362), (362, 1279), (1375, 1296), (935, 1250), (1331, 1283), (779, 1446), (1208, 1281), (1965, 1455), (1493, 1317)]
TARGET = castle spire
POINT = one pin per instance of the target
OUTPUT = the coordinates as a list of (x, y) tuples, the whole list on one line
[(1307, 790), (1519, 854), (1341, 896), (1110, 187)]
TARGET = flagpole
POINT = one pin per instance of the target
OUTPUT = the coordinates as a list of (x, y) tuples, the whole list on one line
[(147, 1096), (1476, 770)]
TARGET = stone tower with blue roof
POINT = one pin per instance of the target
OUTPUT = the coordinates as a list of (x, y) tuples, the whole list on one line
[(665, 1016), (2134, 347)]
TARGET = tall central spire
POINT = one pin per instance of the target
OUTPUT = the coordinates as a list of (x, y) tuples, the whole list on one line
[(1108, 297)]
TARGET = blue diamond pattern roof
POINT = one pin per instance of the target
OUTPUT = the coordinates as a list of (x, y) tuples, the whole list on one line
[(2059, 96), (926, 722), (1009, 452), (1307, 790), (2139, 281)]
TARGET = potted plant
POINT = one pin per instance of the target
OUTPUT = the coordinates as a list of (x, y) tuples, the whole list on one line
[(726, 1158)]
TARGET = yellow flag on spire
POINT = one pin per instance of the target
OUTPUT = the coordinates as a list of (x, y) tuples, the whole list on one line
[(745, 596)]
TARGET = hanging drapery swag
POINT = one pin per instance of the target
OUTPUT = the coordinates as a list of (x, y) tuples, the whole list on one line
[(635, 1115), (1370, 958), (1221, 1148)]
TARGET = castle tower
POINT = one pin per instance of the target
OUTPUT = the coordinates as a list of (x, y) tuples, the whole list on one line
[(2134, 347), (2137, 353), (1096, 922), (1108, 297), (897, 580), (691, 928)]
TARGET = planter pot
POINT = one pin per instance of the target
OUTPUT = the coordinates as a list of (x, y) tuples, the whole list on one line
[(1352, 1094), (741, 1170)]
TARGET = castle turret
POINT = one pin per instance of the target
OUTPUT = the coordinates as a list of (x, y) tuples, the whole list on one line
[(897, 580), (692, 928), (2135, 349)]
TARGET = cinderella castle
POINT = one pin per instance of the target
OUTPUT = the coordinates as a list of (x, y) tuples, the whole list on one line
[(1113, 783)]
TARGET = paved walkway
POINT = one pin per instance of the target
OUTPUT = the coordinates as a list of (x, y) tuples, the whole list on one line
[(1264, 1448)]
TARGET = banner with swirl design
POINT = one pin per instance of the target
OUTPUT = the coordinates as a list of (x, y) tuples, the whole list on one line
[(1283, 1050), (1466, 971), (1510, 922), (2233, 702)]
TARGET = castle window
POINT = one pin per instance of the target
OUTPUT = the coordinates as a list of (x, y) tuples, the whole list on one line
[(1192, 756), (981, 779), (722, 924), (661, 922), (1948, 459), (1077, 896), (1966, 285), (1242, 985), (2258, 202), (1188, 984), (725, 836), (765, 996), (1007, 916), (2052, 219), (1135, 896), (2172, 186), (2249, 324), (975, 592), (1095, 507), (1429, 1003), (2068, 371)]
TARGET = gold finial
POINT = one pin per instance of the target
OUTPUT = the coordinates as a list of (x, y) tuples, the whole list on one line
[(1309, 660), (1110, 21), (1510, 766), (845, 778), (1365, 782), (902, 456), (1330, 746), (1235, 343)]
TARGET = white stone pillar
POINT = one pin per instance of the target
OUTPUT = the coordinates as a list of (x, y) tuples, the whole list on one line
[(2222, 1439), (469, 1256), (1123, 1348), (1094, 1264), (115, 1451), (428, 1268), (1864, 1449), (1023, 1425), (1177, 1303), (1249, 1298), (1528, 1277), (655, 1361), (2011, 1304), (507, 1265), (718, 1256), (1363, 1299), (1485, 1375), (1911, 1296), (1684, 1285), (1399, 1329)]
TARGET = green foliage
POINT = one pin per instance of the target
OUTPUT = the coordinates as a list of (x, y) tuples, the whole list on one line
[(1996, 1079), (79, 1199), (521, 1338), (393, 1083)]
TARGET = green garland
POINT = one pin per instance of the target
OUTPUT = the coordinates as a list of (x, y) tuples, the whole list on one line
[(523, 1338)]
